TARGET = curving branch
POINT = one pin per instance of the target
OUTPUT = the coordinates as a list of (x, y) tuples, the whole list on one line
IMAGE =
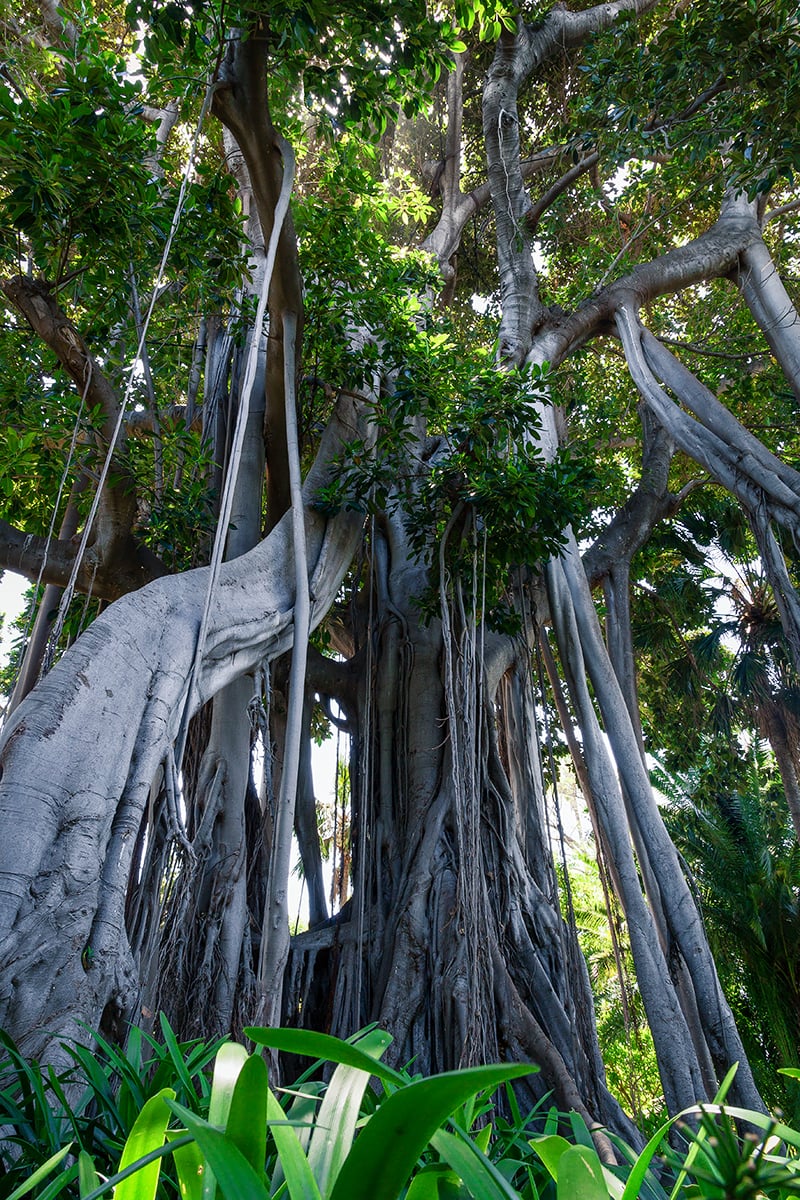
[(535, 213), (714, 254), (113, 546), (241, 103), (30, 554), (34, 299), (124, 684), (517, 56), (729, 453)]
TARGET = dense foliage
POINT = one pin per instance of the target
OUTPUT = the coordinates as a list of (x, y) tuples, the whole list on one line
[(367, 1131), (527, 291)]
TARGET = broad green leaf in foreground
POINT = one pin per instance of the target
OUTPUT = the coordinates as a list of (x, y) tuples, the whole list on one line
[(338, 1114), (247, 1118), (580, 1175), (230, 1060), (147, 1134), (388, 1147), (236, 1178), (325, 1048)]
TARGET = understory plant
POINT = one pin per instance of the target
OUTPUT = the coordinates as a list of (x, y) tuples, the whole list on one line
[(155, 1120)]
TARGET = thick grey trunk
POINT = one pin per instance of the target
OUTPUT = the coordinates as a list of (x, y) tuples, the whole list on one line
[(453, 938), (115, 702)]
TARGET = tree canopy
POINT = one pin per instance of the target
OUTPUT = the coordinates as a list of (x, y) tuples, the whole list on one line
[(456, 351)]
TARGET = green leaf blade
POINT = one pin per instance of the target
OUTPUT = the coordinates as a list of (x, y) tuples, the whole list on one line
[(387, 1149), (148, 1133)]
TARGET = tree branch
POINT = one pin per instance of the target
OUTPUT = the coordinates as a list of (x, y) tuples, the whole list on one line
[(241, 103), (517, 55), (34, 299), (537, 210), (26, 553)]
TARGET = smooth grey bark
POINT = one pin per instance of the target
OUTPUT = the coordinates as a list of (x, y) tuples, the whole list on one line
[(683, 919), (766, 493), (116, 700), (779, 481), (275, 927), (680, 1072), (768, 300), (706, 1027), (518, 54)]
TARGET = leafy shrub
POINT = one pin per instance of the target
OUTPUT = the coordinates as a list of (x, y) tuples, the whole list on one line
[(152, 1117)]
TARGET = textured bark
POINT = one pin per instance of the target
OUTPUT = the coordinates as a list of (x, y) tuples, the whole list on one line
[(453, 938), (116, 700), (200, 952)]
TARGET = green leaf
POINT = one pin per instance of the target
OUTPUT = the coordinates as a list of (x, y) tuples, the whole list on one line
[(236, 1178), (40, 1173), (770, 1126), (480, 1175), (87, 1175), (247, 1119), (133, 1169), (636, 1178), (323, 1047), (175, 1053), (336, 1121), (230, 1059), (580, 1174), (551, 1148), (436, 1182), (147, 1135), (640, 1167), (190, 1167), (388, 1147), (61, 1182), (300, 1180)]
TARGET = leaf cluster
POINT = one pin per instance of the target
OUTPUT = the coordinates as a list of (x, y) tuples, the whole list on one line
[(715, 80), (73, 178), (413, 1137)]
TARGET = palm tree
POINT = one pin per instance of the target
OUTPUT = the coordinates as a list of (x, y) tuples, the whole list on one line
[(745, 861)]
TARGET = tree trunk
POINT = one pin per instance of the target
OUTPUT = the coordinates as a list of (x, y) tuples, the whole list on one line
[(78, 758), (453, 938)]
